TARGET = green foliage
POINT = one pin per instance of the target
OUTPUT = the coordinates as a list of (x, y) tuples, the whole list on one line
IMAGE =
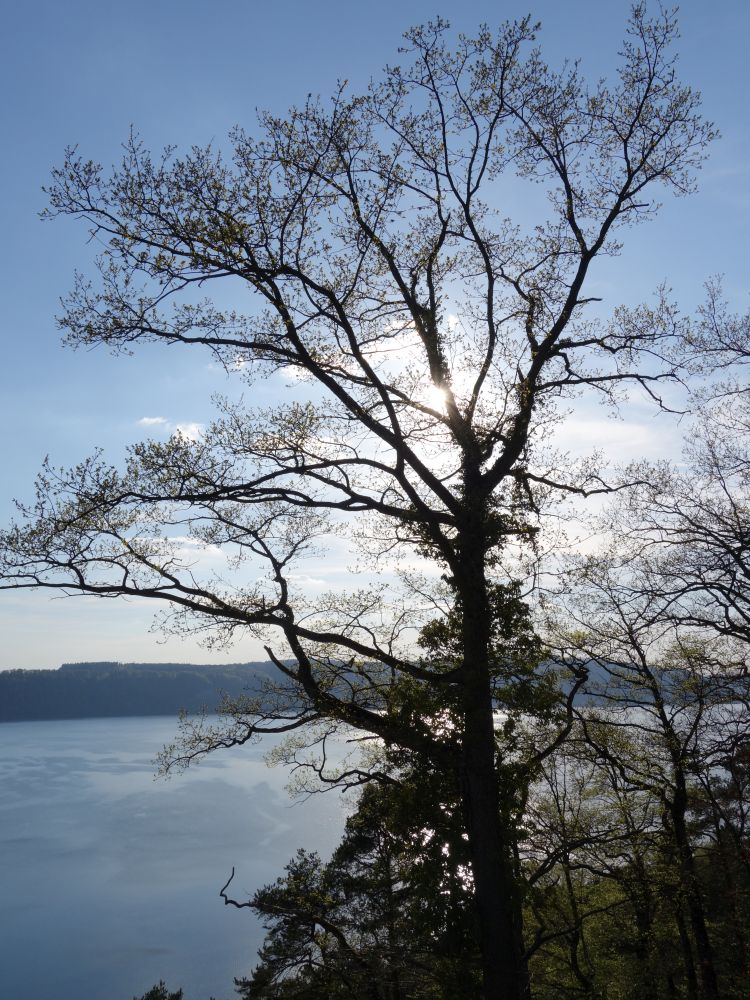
[(160, 992), (389, 917)]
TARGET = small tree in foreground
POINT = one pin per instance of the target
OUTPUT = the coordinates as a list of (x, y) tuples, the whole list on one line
[(440, 338)]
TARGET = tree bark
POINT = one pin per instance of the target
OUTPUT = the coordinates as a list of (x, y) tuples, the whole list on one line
[(496, 889), (691, 978), (704, 952)]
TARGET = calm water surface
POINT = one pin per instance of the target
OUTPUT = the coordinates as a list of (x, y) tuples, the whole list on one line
[(109, 880)]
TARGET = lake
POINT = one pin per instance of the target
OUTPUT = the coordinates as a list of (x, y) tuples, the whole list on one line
[(109, 879)]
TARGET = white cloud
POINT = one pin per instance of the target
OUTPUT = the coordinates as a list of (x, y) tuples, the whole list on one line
[(192, 431), (304, 579)]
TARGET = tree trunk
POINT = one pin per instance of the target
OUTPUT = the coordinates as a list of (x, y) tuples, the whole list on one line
[(691, 978), (644, 926), (691, 892), (721, 833), (496, 894), (639, 891), (496, 889)]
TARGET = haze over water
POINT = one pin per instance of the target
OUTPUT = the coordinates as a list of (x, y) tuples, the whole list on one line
[(109, 879)]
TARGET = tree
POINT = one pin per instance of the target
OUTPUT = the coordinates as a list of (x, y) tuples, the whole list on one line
[(389, 917), (663, 611), (680, 692), (686, 527), (160, 992), (439, 338)]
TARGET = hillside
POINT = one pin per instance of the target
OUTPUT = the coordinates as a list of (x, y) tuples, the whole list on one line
[(109, 689)]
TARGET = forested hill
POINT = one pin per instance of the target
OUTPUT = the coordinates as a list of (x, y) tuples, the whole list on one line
[(107, 689)]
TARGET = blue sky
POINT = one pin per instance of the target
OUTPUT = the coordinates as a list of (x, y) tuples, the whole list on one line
[(185, 72)]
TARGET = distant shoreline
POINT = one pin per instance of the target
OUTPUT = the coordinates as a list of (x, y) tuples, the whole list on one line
[(111, 689)]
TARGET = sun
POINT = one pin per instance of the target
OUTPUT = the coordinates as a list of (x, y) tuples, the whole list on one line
[(435, 397)]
